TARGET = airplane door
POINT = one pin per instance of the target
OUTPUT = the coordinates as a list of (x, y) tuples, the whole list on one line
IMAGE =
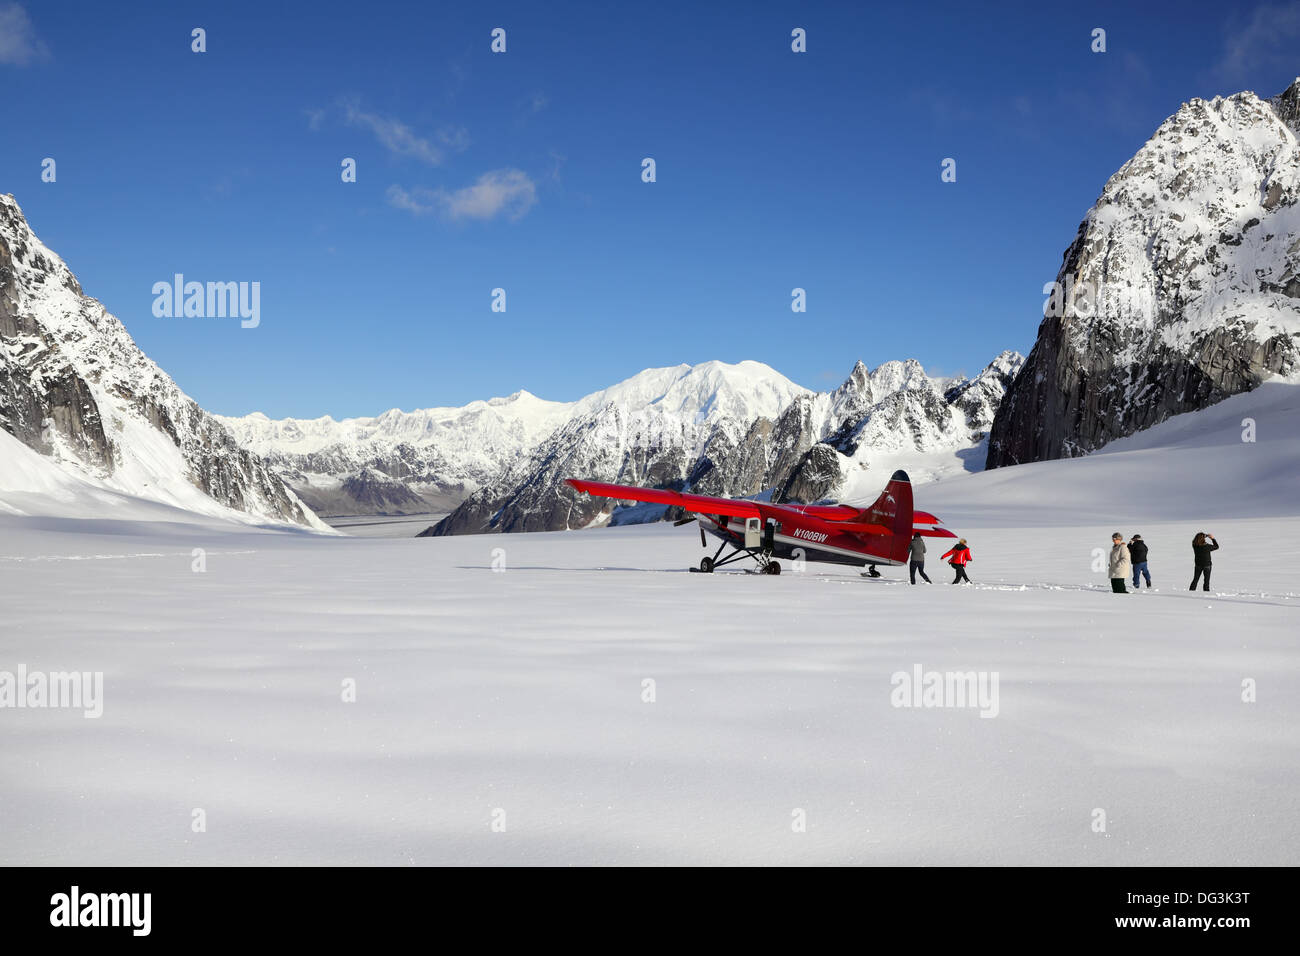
[(753, 532)]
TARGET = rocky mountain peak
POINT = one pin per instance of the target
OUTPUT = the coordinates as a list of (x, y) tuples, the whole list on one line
[(75, 388), (1181, 287), (1287, 106)]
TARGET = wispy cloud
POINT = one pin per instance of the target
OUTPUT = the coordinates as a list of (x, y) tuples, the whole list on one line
[(419, 200), (19, 44), (454, 138), (502, 192), (557, 163), (1267, 40), (397, 137), (392, 133)]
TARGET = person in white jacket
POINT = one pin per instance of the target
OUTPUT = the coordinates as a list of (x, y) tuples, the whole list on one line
[(1121, 565)]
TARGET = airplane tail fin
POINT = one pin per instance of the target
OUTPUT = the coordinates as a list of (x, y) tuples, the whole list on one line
[(893, 509)]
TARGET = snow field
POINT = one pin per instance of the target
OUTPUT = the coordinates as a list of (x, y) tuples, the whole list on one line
[(523, 690)]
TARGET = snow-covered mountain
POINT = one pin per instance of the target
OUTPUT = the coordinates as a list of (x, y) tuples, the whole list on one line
[(432, 459), (1181, 288), (75, 388), (741, 430), (902, 418), (399, 462)]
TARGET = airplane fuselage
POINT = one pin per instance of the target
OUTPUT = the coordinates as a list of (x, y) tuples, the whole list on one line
[(793, 542)]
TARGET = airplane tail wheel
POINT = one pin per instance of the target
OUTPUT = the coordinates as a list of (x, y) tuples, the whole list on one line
[(706, 565), (772, 568)]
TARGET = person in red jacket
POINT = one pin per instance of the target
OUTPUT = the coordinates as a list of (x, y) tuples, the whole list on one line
[(960, 557)]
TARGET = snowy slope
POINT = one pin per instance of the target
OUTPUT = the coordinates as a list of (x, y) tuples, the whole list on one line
[(33, 478), (1192, 467), (522, 691), (36, 486), (75, 388)]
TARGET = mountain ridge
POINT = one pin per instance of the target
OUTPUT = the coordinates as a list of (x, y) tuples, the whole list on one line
[(443, 454), (811, 449)]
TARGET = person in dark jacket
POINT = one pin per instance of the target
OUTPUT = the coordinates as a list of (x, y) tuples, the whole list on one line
[(1202, 545), (916, 558), (1137, 551), (960, 558)]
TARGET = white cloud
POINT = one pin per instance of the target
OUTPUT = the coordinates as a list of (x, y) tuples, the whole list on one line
[(1268, 41), (454, 137), (395, 135), (392, 133), (418, 200), (502, 192), (19, 44)]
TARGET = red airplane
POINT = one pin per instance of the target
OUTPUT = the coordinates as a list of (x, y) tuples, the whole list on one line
[(839, 534)]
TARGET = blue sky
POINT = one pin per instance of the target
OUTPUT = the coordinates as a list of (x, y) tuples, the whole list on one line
[(522, 171)]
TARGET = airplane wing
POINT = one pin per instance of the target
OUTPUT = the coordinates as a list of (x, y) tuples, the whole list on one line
[(928, 525), (828, 519), (698, 504), (731, 507)]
